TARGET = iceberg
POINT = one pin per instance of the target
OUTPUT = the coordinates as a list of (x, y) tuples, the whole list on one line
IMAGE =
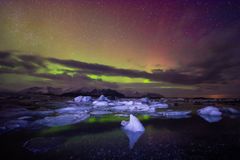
[(133, 137), (159, 105), (175, 114), (139, 107), (133, 124), (120, 108), (103, 98), (100, 103), (210, 111), (210, 114), (230, 110), (83, 99), (100, 112), (124, 103), (72, 110), (145, 100)]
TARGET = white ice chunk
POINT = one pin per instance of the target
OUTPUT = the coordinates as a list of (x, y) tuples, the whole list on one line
[(145, 100), (103, 98), (125, 103), (159, 105), (139, 107), (100, 112), (72, 110), (25, 117), (230, 110), (100, 103), (210, 114), (83, 99), (175, 114), (133, 125), (120, 108), (210, 111), (133, 137), (62, 120)]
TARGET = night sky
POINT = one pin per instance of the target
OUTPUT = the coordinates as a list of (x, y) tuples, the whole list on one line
[(172, 47)]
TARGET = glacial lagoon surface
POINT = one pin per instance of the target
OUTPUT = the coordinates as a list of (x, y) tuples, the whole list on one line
[(67, 129)]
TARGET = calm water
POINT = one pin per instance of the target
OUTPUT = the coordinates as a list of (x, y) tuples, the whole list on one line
[(103, 138)]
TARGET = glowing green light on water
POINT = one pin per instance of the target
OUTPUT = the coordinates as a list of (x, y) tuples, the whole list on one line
[(104, 119), (112, 118), (118, 79), (57, 129), (145, 117), (92, 120)]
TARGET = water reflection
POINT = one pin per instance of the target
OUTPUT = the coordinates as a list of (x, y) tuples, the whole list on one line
[(133, 137), (211, 119)]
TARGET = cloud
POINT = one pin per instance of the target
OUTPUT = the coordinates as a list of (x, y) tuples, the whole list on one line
[(213, 67)]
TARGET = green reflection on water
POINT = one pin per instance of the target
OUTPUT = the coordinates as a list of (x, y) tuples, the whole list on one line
[(114, 118), (58, 129), (91, 120)]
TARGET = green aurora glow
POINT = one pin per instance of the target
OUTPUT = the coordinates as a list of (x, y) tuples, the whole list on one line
[(118, 79)]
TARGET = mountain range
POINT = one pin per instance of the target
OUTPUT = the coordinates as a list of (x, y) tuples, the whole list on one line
[(87, 92)]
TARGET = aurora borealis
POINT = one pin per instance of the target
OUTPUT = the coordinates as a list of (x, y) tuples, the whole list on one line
[(172, 47)]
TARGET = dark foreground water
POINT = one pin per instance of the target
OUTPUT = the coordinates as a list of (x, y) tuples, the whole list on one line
[(103, 138)]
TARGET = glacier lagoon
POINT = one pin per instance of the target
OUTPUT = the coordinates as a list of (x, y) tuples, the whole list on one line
[(87, 130)]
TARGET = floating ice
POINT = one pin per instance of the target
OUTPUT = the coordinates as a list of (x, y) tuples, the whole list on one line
[(133, 125), (62, 120), (175, 114), (100, 103), (120, 108), (230, 110), (133, 137), (125, 103), (42, 144), (139, 107), (100, 112), (83, 99), (25, 117), (210, 111), (135, 107), (145, 100), (159, 105), (72, 110), (210, 114), (103, 98)]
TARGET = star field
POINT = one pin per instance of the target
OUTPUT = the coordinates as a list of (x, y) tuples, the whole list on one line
[(177, 44)]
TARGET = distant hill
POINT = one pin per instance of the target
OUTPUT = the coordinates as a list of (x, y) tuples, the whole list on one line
[(110, 93), (141, 95), (95, 93)]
